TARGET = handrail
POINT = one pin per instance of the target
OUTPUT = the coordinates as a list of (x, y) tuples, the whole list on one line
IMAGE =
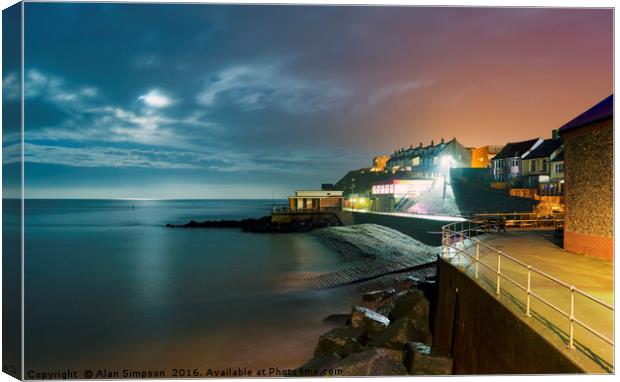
[(452, 236)]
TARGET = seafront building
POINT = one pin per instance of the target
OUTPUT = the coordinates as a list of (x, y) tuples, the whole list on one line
[(556, 173), (379, 163), (588, 174), (536, 167), (316, 200), (389, 196), (481, 156), (506, 165), (431, 161)]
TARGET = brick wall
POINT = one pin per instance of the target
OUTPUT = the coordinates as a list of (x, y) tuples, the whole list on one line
[(588, 158), (598, 246)]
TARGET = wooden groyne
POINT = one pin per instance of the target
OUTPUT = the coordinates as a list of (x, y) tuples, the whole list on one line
[(368, 270)]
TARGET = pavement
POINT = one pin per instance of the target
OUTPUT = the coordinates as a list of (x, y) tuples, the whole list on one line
[(542, 251)]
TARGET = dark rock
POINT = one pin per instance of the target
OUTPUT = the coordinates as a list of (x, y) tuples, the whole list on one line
[(412, 304), (385, 309), (370, 321), (419, 359), (337, 319), (400, 333), (376, 295), (316, 365), (413, 281), (342, 340), (389, 292), (373, 362), (265, 225)]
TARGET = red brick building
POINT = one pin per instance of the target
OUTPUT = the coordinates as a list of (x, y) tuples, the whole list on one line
[(589, 188)]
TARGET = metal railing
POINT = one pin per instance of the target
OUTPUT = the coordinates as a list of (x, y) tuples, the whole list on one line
[(522, 219), (453, 245)]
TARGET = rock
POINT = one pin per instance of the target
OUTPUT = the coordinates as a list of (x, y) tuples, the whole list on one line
[(316, 365), (370, 321), (400, 333), (412, 304), (412, 281), (342, 340), (419, 359), (337, 319), (373, 362), (389, 292), (385, 309), (376, 295), (265, 225)]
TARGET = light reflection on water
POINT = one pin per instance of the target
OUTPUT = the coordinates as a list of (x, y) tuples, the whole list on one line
[(107, 285)]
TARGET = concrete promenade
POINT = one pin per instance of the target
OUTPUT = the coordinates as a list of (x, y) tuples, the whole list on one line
[(541, 250)]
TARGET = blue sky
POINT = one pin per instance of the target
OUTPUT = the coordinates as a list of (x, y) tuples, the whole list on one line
[(196, 101)]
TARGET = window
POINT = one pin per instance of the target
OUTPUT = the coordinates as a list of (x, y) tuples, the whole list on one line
[(559, 168), (544, 165), (415, 161), (533, 166)]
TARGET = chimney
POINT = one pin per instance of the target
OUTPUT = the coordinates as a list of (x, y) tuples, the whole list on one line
[(432, 143), (555, 134), (410, 147), (442, 140), (421, 145)]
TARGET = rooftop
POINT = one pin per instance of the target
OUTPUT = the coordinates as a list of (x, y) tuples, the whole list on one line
[(545, 149), (515, 149), (598, 112)]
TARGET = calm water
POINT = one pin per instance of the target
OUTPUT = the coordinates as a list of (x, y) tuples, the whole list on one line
[(108, 286)]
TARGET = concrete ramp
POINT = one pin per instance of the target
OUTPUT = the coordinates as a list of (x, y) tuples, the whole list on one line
[(367, 270)]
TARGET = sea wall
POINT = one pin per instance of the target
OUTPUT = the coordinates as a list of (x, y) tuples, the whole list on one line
[(485, 337), (427, 231)]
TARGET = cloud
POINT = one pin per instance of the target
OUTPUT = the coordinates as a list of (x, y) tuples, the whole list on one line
[(11, 86), (88, 117), (100, 156), (262, 86), (146, 61), (395, 89), (122, 157), (156, 99)]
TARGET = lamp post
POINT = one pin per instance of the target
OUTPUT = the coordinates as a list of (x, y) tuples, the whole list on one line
[(446, 162)]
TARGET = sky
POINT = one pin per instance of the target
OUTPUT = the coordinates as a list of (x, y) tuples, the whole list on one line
[(216, 101)]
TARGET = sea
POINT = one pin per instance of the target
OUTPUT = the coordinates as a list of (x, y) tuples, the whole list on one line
[(109, 287)]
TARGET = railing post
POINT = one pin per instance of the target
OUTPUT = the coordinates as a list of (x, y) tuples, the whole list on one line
[(444, 242), (477, 259), (571, 319), (499, 265), (529, 290)]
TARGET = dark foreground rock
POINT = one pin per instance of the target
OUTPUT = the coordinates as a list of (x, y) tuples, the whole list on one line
[(412, 304), (265, 225), (374, 361), (317, 366), (342, 340), (369, 321), (400, 333), (419, 359), (387, 333)]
